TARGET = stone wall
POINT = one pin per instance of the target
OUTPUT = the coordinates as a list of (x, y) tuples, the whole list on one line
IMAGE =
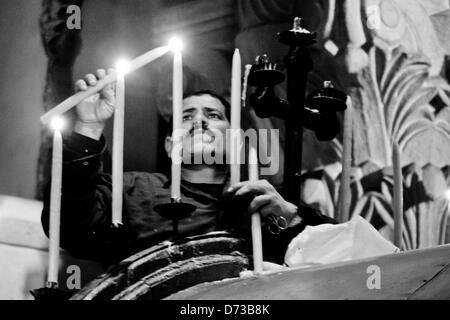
[(23, 252)]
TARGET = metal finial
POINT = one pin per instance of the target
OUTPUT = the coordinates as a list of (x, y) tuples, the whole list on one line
[(262, 59), (298, 24), (328, 84)]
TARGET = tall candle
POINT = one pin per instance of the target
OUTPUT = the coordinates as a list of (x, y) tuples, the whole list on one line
[(398, 196), (117, 157), (177, 112), (256, 218), (344, 190), (55, 208), (235, 143), (74, 100)]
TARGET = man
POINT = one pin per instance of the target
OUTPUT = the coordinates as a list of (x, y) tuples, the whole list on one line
[(86, 192)]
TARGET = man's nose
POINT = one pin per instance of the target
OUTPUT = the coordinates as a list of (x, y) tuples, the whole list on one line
[(200, 121), (200, 125)]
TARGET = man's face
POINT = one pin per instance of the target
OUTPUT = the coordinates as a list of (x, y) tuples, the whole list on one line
[(205, 124)]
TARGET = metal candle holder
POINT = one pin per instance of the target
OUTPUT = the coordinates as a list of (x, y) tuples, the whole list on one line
[(319, 113), (176, 210)]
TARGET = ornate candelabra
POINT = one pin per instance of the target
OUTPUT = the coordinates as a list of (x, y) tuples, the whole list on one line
[(319, 113)]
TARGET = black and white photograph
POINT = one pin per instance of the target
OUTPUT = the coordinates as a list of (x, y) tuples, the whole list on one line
[(226, 154)]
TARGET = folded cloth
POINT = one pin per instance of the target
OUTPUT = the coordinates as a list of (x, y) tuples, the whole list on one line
[(328, 243)]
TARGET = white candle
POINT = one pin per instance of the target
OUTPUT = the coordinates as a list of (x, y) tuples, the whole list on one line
[(344, 190), (55, 208), (253, 174), (235, 143), (177, 115), (398, 196), (256, 218), (74, 100), (117, 156)]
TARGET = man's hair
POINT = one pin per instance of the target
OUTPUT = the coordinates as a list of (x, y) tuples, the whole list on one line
[(213, 94)]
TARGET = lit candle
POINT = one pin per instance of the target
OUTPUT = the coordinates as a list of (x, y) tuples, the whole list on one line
[(55, 204), (398, 196), (344, 190), (256, 218), (74, 100), (177, 112), (235, 137), (118, 137)]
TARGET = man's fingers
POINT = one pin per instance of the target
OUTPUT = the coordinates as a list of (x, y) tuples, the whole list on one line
[(90, 79), (236, 186), (100, 73), (267, 210), (112, 85), (259, 202), (253, 188), (108, 95), (108, 92), (80, 85)]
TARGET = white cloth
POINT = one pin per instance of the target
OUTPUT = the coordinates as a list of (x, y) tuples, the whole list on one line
[(327, 243)]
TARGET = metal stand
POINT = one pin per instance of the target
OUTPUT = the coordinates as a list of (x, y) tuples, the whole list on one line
[(320, 113), (176, 210), (298, 64)]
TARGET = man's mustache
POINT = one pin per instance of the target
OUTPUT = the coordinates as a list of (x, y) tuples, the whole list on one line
[(204, 129)]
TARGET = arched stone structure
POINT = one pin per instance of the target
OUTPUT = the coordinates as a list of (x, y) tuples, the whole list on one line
[(167, 268)]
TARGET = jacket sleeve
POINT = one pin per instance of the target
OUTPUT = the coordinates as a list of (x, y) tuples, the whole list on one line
[(86, 202)]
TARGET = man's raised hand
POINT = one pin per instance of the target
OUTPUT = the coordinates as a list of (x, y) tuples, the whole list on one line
[(94, 111)]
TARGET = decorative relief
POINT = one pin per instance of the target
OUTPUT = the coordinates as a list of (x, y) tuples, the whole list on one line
[(391, 65), (401, 97)]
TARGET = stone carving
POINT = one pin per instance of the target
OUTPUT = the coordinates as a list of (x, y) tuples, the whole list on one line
[(390, 64), (400, 96), (403, 98)]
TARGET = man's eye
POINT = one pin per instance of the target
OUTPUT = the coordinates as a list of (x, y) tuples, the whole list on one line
[(187, 117), (214, 116)]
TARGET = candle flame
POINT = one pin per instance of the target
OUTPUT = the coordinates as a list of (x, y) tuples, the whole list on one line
[(447, 194), (57, 123), (175, 44), (123, 66)]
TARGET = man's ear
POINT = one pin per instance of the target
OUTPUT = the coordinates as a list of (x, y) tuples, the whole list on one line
[(168, 145)]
